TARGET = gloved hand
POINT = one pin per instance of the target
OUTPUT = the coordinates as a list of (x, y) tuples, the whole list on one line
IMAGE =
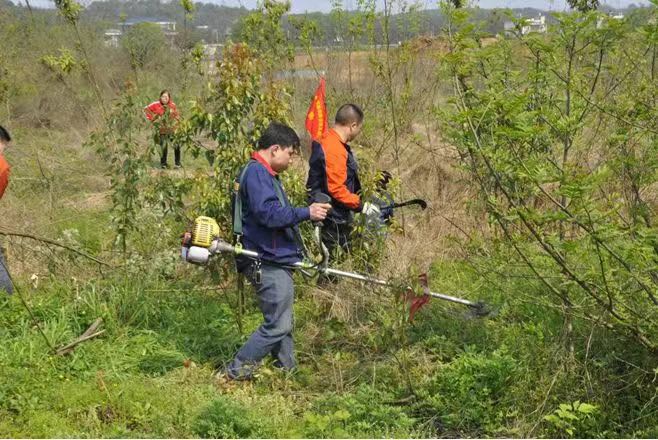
[(371, 211)]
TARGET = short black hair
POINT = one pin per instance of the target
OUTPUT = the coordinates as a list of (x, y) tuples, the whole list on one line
[(4, 134), (348, 114), (278, 134)]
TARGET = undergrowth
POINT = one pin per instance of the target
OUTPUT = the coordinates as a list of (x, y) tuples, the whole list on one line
[(151, 372)]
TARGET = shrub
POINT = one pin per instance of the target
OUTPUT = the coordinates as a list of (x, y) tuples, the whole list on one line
[(224, 418), (364, 412), (468, 393)]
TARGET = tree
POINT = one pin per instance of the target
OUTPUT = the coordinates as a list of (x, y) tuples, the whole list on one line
[(263, 32), (584, 5), (188, 11), (144, 43), (558, 134)]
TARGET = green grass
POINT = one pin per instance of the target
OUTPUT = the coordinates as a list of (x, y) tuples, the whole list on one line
[(444, 375), (132, 382)]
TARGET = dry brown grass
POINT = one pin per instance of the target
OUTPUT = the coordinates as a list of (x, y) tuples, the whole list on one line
[(432, 174), (338, 65), (425, 164)]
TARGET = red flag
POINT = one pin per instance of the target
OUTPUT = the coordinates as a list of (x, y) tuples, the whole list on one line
[(316, 117), (417, 302)]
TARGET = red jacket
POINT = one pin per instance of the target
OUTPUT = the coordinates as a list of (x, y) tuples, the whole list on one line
[(156, 110), (4, 175)]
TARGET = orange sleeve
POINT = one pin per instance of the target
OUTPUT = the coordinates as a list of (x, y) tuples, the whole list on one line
[(336, 163), (4, 175)]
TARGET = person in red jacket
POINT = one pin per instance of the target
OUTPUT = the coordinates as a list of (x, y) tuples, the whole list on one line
[(164, 116), (5, 139)]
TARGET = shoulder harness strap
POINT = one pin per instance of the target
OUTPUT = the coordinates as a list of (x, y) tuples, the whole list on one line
[(238, 214), (237, 204)]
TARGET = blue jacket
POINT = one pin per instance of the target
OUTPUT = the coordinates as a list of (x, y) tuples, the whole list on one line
[(268, 227)]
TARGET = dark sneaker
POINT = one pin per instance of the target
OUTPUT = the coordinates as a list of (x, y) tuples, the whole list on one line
[(223, 376), (277, 364)]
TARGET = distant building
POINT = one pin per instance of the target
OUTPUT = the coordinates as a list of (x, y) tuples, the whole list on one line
[(111, 37), (527, 26), (604, 18), (168, 27), (205, 33)]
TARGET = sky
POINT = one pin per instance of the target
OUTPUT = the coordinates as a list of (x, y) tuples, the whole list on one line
[(300, 6)]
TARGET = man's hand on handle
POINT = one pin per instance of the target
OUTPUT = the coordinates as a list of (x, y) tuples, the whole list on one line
[(319, 211)]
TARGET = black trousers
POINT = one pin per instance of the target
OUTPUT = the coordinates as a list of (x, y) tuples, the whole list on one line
[(5, 280), (164, 141), (336, 236)]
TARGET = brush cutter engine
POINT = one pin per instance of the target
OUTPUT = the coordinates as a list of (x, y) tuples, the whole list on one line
[(197, 245)]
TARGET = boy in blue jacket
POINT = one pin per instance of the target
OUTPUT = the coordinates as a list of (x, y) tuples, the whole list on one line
[(269, 225)]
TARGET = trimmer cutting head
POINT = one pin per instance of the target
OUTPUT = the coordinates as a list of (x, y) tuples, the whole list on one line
[(480, 310)]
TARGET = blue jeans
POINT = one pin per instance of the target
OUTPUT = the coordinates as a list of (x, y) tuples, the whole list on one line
[(274, 336), (5, 282)]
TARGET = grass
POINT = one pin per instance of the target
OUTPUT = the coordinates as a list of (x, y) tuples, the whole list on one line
[(133, 382), (151, 374)]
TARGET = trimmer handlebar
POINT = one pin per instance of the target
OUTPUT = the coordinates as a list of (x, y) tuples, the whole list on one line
[(322, 265), (321, 198)]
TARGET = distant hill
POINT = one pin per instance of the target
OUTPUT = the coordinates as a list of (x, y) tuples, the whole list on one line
[(216, 17), (220, 22)]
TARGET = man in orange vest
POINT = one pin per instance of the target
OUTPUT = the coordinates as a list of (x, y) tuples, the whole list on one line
[(333, 170), (5, 139)]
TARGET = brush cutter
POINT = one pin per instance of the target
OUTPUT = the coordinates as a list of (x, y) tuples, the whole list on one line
[(203, 242), (386, 207), (382, 185), (420, 202)]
